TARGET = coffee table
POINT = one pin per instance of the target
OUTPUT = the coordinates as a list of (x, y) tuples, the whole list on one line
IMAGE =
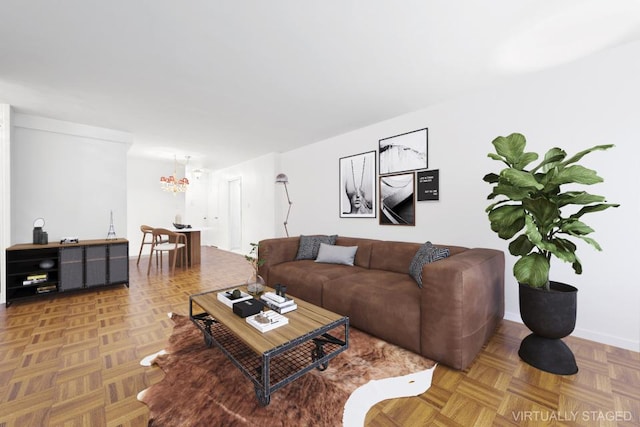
[(275, 358)]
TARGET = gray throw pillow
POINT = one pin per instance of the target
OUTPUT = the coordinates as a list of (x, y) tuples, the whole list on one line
[(333, 254), (425, 255), (309, 245)]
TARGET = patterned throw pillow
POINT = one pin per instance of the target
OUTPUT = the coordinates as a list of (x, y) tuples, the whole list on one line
[(309, 245), (425, 255)]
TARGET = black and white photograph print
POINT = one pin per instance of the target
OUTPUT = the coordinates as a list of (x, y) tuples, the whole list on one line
[(404, 152), (358, 186), (397, 200)]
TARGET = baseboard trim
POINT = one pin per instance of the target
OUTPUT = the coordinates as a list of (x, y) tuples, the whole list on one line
[(590, 335)]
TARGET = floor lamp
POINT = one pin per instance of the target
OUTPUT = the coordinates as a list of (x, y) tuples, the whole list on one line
[(282, 179)]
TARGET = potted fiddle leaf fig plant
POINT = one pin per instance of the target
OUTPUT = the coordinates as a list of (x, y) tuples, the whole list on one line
[(543, 222)]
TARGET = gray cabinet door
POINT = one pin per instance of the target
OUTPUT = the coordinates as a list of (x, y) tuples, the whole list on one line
[(71, 268), (96, 265), (119, 263)]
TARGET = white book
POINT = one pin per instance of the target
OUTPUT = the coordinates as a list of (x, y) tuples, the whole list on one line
[(282, 310), (225, 297), (275, 320), (279, 301)]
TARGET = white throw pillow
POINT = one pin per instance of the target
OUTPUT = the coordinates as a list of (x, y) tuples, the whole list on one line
[(334, 254)]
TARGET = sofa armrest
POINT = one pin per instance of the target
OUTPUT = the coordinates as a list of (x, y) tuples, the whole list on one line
[(462, 302), (276, 251)]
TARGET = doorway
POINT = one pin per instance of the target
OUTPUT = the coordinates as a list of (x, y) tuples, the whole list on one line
[(235, 214)]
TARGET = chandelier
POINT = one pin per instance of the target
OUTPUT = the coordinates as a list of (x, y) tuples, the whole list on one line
[(171, 183)]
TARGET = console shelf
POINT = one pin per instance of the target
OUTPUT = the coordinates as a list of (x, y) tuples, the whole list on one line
[(37, 270)]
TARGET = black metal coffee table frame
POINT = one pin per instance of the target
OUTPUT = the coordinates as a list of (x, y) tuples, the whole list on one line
[(281, 365)]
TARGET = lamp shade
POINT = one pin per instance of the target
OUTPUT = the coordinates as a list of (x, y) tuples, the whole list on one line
[(282, 179)]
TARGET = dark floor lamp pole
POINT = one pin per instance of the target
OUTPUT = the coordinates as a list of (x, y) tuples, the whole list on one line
[(282, 179)]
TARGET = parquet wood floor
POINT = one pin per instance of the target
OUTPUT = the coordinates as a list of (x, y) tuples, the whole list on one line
[(73, 360)]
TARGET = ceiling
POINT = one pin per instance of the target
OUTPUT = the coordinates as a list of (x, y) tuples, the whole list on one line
[(224, 81)]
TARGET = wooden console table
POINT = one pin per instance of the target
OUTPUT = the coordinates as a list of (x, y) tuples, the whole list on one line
[(39, 270)]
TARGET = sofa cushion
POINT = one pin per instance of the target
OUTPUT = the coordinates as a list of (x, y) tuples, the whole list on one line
[(393, 256), (363, 256), (425, 255), (304, 279), (333, 254), (382, 303), (309, 245)]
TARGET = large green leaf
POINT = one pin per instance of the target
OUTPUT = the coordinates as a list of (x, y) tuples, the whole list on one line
[(491, 178), (521, 246), (533, 234), (512, 192), (594, 208), (551, 158), (544, 211), (577, 198), (525, 160), (590, 241), (581, 154), (507, 220), (576, 174), (520, 179), (532, 270), (564, 250), (510, 147), (576, 227)]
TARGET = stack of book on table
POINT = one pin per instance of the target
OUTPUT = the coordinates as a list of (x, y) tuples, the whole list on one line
[(267, 320), (277, 303), (32, 279)]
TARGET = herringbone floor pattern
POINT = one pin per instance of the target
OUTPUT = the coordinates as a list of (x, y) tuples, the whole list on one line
[(73, 360)]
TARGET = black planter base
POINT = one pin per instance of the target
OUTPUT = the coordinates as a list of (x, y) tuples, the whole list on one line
[(549, 355)]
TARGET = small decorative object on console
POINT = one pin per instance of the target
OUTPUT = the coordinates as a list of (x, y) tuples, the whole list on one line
[(46, 264), (66, 240)]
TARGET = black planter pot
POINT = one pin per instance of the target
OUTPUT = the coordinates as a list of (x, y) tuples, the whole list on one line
[(551, 316)]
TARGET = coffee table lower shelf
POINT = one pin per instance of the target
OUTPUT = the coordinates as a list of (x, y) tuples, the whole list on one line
[(281, 365)]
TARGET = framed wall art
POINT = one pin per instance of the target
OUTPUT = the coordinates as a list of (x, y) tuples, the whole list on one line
[(397, 199), (428, 183), (358, 186), (404, 152)]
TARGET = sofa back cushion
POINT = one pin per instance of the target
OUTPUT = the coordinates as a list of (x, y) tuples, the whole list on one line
[(363, 255), (397, 256), (393, 256)]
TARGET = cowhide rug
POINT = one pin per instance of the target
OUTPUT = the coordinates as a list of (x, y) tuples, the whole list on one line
[(202, 387)]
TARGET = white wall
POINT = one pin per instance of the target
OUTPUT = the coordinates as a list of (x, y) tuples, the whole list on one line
[(71, 175), (5, 192), (258, 199), (590, 102)]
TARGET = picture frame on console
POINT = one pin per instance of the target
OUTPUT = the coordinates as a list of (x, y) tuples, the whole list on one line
[(404, 152), (358, 186), (397, 199)]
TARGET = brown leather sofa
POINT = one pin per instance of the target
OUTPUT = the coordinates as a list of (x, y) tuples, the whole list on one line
[(448, 320)]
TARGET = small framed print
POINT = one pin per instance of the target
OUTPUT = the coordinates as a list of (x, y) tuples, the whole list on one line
[(397, 199), (358, 186), (404, 152), (428, 185)]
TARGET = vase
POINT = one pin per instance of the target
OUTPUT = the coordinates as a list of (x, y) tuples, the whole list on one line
[(255, 284), (551, 316)]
